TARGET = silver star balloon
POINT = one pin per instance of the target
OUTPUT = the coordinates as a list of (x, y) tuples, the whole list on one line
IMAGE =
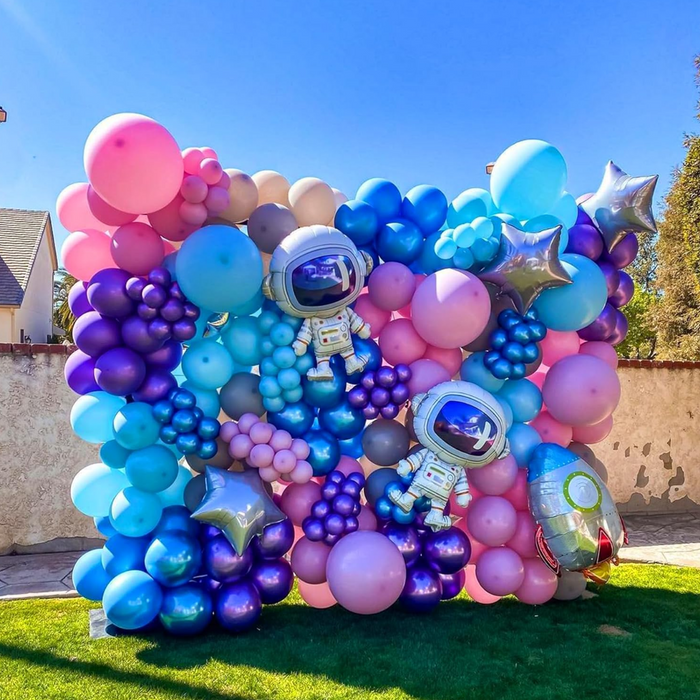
[(622, 205), (526, 264), (237, 503)]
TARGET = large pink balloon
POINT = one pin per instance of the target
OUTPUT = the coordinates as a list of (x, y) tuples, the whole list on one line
[(500, 571), (348, 465), (477, 548), (309, 560), (425, 374), (591, 434), (558, 344), (106, 213), (603, 351), (581, 390), (517, 494), (391, 286), (316, 595), (133, 163), (366, 572), (539, 583), (86, 252), (297, 500), (474, 589), (552, 430), (73, 210), (451, 308), (523, 541), (367, 519), (400, 343), (496, 477), (376, 317), (492, 520), (450, 359), (137, 248)]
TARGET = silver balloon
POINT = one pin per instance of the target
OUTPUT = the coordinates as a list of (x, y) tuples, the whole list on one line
[(526, 264), (570, 585), (238, 504), (622, 205)]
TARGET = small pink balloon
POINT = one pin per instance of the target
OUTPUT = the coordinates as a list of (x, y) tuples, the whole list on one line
[(73, 210), (297, 500), (492, 520), (107, 214), (552, 430), (474, 589), (300, 448), (309, 559), (192, 157), (217, 201), (208, 152), (86, 252), (558, 344), (210, 171), (425, 374), (281, 440), (193, 214), (348, 465), (405, 311), (500, 571), (261, 456), (228, 431), (391, 286), (302, 472), (284, 461), (450, 359), (316, 595), (592, 434), (538, 378), (194, 189), (367, 519), (517, 494), (224, 182), (376, 317), (456, 509), (496, 477), (168, 222), (247, 421), (261, 432), (477, 548), (603, 351), (400, 343), (523, 541), (240, 446), (137, 248), (539, 583), (268, 474)]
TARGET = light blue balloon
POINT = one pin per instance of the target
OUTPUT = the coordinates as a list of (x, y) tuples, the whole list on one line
[(289, 379), (282, 334), (94, 487), (523, 439), (114, 455), (89, 577), (92, 415), (103, 526), (169, 264), (207, 364), (152, 468), (576, 305), (135, 513), (174, 495), (473, 370), (528, 178), (383, 196), (269, 387), (468, 205), (465, 235), (428, 261), (463, 259), (445, 248), (566, 210), (242, 338), (483, 227), (425, 206), (274, 404), (121, 553), (207, 399), (249, 307), (135, 427), (507, 411), (293, 395), (284, 357), (546, 221), (219, 268), (524, 398), (132, 600)]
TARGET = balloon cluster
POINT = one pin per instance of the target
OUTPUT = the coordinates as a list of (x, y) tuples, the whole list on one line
[(382, 392), (514, 344), (204, 186), (469, 245)]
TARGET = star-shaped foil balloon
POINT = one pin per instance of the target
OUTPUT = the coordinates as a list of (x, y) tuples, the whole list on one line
[(237, 503), (526, 264), (622, 205)]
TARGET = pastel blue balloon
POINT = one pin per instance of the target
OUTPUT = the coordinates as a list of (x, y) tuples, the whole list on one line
[(135, 427), (523, 439), (132, 600), (152, 468), (174, 495), (275, 404), (203, 327), (428, 260), (207, 399), (173, 558), (383, 196), (282, 334), (219, 268), (94, 487), (121, 553), (465, 235), (528, 178), (473, 370), (293, 395), (103, 526), (546, 221), (267, 319), (135, 513), (169, 264), (524, 398), (92, 415), (400, 241), (343, 421), (358, 221), (445, 248), (426, 207), (463, 259), (295, 418), (186, 610), (469, 205), (208, 364), (576, 305), (114, 455), (249, 307), (352, 447), (483, 227), (325, 451), (284, 357), (289, 378), (269, 388), (89, 577), (242, 337), (304, 363), (507, 411), (566, 210)]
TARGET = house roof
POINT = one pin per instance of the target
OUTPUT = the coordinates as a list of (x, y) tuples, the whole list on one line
[(21, 234)]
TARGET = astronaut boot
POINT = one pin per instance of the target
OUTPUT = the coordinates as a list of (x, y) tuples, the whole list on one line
[(321, 372), (436, 520), (404, 501), (355, 364)]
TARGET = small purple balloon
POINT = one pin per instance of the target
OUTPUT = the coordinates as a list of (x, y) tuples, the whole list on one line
[(160, 275), (624, 252), (136, 336), (370, 412), (385, 377), (624, 292), (154, 295), (184, 329), (94, 334), (106, 293), (313, 528), (582, 217), (621, 327), (120, 371), (238, 606), (368, 380), (400, 394), (611, 274), (146, 312), (321, 509), (176, 292), (156, 386), (160, 329), (585, 239), (379, 396), (273, 579), (390, 411), (334, 524), (330, 540), (403, 373), (452, 584), (343, 504), (168, 357), (77, 299), (351, 488), (173, 310), (208, 532), (406, 540), (358, 397), (352, 524), (222, 562), (603, 327), (275, 541), (211, 585), (447, 551), (422, 591), (191, 311), (330, 490), (79, 371), (134, 288)]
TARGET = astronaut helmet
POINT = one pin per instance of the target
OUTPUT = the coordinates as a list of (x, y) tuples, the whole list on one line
[(461, 423), (316, 271)]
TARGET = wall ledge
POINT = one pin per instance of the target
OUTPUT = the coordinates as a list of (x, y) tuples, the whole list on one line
[(657, 364), (36, 349)]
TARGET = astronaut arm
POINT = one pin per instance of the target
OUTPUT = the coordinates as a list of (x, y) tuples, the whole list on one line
[(358, 325), (304, 337), (461, 490), (412, 463)]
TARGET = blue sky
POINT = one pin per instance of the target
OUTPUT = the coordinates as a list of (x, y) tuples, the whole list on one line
[(415, 91)]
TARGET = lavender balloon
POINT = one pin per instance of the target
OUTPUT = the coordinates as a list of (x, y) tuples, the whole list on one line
[(624, 292), (611, 274), (603, 327), (77, 299), (238, 606), (106, 293), (273, 579)]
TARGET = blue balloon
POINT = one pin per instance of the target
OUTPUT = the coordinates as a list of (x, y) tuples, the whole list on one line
[(103, 526), (358, 221), (383, 508), (249, 307), (114, 455), (135, 513), (269, 388), (132, 600), (173, 558), (469, 205), (325, 451), (242, 337), (426, 207), (523, 439), (383, 196), (177, 518), (473, 370), (207, 399), (186, 610), (507, 410), (295, 418), (524, 399), (328, 393), (428, 261), (352, 447), (365, 348), (152, 468), (566, 210), (121, 553), (135, 427), (219, 268), (94, 487), (400, 241), (208, 364), (92, 415), (174, 495), (343, 420), (89, 577), (576, 305), (546, 221), (402, 517)]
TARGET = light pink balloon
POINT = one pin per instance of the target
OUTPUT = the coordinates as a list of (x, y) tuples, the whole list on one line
[(474, 589), (477, 548), (208, 152), (376, 317), (450, 359), (558, 344), (451, 308), (284, 461), (551, 430), (366, 572), (492, 520), (168, 222), (316, 595), (400, 343), (309, 559), (86, 252), (425, 374), (194, 189), (107, 214), (496, 477), (523, 541), (281, 440), (261, 432), (405, 311), (193, 214), (297, 500), (228, 431), (581, 390), (73, 210), (192, 157), (348, 465), (247, 421), (261, 456), (240, 446), (367, 519), (391, 286), (517, 494), (217, 201), (500, 571), (210, 171), (591, 434), (224, 182), (269, 474), (133, 163), (603, 351), (300, 448), (137, 248), (539, 583), (302, 472)]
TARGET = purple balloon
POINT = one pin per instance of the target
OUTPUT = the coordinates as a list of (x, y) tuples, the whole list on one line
[(211, 585), (368, 380), (136, 336), (611, 274), (275, 541), (379, 396), (582, 217), (352, 524), (184, 329), (77, 299), (156, 386), (334, 524), (358, 397), (191, 311), (173, 310), (422, 591), (80, 373), (370, 412), (146, 312), (620, 332), (344, 505), (222, 562), (160, 275), (624, 291), (452, 584), (330, 490), (94, 334), (313, 528), (585, 239), (390, 411), (385, 377), (400, 394), (237, 606), (134, 288), (168, 357), (624, 252), (176, 292), (321, 509), (602, 327), (208, 532), (403, 373), (120, 371), (159, 328), (273, 579), (107, 293), (154, 295), (406, 539), (447, 551)]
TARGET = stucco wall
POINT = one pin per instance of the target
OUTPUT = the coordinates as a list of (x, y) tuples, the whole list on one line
[(34, 316)]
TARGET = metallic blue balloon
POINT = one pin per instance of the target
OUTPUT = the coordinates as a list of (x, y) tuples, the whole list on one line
[(275, 541), (422, 591), (325, 451), (273, 579), (352, 447), (447, 551), (383, 508), (452, 584), (326, 394), (132, 600), (121, 553), (177, 518), (186, 610), (400, 241), (238, 606), (342, 420), (188, 443), (295, 418), (208, 532), (221, 561), (401, 517), (173, 558), (406, 539), (376, 483), (208, 428), (163, 411), (365, 348), (184, 420)]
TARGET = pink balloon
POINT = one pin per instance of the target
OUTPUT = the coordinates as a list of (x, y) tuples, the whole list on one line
[(300, 448), (281, 440), (194, 189), (477, 548), (523, 541), (247, 421), (168, 247), (517, 494), (225, 182), (391, 286), (261, 432), (367, 519), (474, 589), (208, 152), (193, 214), (348, 465), (539, 583), (538, 378), (302, 472), (137, 248), (500, 571), (309, 559), (400, 343), (451, 359), (496, 477), (603, 351), (73, 210), (133, 163), (217, 201), (269, 474), (492, 520), (240, 446), (86, 252), (316, 595), (405, 311), (297, 500), (284, 461), (376, 317), (552, 430), (581, 390), (366, 572), (210, 171), (261, 456), (228, 431), (425, 374), (191, 158), (591, 434), (168, 222), (451, 308), (558, 344), (108, 215)]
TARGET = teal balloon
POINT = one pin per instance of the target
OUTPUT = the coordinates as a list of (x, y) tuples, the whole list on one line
[(135, 427), (208, 364), (249, 307), (269, 387), (267, 319), (524, 399), (343, 421), (325, 394), (289, 379), (426, 207), (523, 439), (89, 577), (576, 305), (219, 268), (121, 553), (352, 447), (383, 196), (203, 327), (428, 260), (207, 399), (132, 600), (92, 415), (358, 221), (186, 610), (566, 210), (173, 558), (268, 368), (177, 518), (282, 334), (152, 468), (473, 370), (546, 221), (325, 451), (366, 349), (94, 487), (284, 357), (528, 179), (169, 264), (507, 411), (135, 513), (469, 205), (400, 241), (295, 418), (274, 404), (293, 395), (114, 455), (304, 363), (242, 337), (174, 495)]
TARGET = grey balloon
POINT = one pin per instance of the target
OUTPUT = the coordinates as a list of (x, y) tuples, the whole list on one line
[(241, 395), (570, 586), (269, 225), (499, 302), (221, 460), (385, 442), (194, 492), (376, 482)]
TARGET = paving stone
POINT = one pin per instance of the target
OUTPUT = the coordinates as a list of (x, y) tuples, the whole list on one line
[(31, 568), (38, 589)]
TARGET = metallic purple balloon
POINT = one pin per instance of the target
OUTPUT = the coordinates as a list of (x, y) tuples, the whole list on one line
[(176, 292), (624, 292), (400, 394), (406, 539), (191, 311), (275, 541), (334, 524), (611, 274), (447, 551), (79, 371), (585, 239), (160, 275), (154, 295), (352, 524), (624, 252), (94, 334), (344, 505), (211, 585), (134, 287), (370, 412), (358, 397), (621, 327), (385, 377), (368, 380), (273, 579), (146, 312), (313, 528), (582, 217), (221, 561), (156, 386), (136, 336), (422, 591), (603, 327), (120, 371), (173, 310), (321, 509), (379, 396), (390, 411), (77, 299), (452, 584), (107, 293), (238, 606), (184, 329), (168, 357), (403, 373), (159, 328), (208, 532)]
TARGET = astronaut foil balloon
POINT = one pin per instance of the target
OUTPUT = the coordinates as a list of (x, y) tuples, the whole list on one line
[(579, 528), (460, 426), (315, 274)]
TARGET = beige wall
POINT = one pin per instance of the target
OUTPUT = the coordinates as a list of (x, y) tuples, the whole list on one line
[(6, 327)]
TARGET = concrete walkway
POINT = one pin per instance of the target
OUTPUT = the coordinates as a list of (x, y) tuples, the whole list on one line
[(658, 539)]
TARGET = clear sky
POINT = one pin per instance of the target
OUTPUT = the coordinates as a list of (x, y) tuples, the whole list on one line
[(417, 91)]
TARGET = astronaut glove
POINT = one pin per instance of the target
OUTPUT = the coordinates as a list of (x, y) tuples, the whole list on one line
[(464, 499), (365, 332), (299, 348), (404, 468)]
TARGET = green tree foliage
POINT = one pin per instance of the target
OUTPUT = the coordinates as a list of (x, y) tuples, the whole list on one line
[(62, 315)]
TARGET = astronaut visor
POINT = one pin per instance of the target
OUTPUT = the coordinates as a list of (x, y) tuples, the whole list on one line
[(324, 281), (465, 428)]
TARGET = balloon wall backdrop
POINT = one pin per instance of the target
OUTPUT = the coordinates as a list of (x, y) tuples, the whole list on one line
[(389, 398)]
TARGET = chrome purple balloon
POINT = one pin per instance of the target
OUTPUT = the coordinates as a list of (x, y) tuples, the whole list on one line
[(159, 275), (452, 584), (238, 606), (406, 539), (624, 252), (106, 293), (120, 371), (585, 239), (77, 299), (168, 357), (136, 336), (624, 292), (621, 327), (273, 579), (611, 274), (221, 561), (275, 541), (94, 334), (79, 372), (156, 386), (603, 327), (422, 591), (447, 551)]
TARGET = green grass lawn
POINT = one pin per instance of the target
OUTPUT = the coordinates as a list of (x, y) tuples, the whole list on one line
[(639, 639)]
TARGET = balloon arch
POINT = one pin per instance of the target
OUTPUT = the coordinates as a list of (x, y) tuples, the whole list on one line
[(390, 398)]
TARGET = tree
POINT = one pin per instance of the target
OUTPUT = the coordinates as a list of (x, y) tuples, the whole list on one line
[(62, 315)]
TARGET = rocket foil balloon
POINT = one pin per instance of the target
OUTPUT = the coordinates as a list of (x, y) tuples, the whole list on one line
[(579, 528)]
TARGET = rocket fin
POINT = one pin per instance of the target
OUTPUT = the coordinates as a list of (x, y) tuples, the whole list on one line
[(605, 547), (545, 552)]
